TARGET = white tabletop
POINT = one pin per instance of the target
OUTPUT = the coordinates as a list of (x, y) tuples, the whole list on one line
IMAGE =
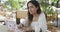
[(3, 28)]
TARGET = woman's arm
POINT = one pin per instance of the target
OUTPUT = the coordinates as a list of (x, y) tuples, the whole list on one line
[(25, 28), (25, 25), (44, 24), (30, 29)]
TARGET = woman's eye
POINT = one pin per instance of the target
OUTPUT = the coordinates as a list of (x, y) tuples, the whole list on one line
[(31, 6)]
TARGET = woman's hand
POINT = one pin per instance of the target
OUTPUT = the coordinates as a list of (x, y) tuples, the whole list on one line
[(20, 26), (29, 29)]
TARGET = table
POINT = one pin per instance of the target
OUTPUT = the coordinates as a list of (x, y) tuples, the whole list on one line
[(3, 28)]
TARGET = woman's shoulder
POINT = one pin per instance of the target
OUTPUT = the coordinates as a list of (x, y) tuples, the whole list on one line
[(42, 14)]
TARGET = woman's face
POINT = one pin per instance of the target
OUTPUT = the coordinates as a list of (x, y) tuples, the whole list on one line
[(32, 9)]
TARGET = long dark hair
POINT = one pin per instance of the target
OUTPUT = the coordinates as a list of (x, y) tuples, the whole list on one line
[(36, 4)]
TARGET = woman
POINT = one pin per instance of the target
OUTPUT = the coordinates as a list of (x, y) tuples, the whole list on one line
[(36, 19)]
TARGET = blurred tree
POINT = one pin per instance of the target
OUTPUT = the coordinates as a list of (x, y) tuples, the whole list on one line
[(14, 4), (55, 1)]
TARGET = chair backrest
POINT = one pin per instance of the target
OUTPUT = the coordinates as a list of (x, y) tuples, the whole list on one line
[(21, 14)]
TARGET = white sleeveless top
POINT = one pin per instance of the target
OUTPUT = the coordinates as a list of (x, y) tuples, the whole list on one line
[(41, 23)]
